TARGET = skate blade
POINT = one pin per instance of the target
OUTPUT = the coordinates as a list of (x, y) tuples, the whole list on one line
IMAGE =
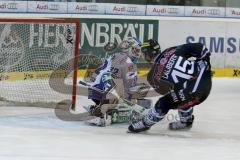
[(181, 129)]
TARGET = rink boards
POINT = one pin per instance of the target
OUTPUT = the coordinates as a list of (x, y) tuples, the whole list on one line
[(220, 72), (220, 35), (45, 75)]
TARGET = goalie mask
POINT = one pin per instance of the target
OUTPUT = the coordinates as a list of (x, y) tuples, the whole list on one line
[(150, 49), (133, 48)]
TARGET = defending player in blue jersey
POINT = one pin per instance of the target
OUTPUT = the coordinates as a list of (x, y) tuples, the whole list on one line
[(120, 66)]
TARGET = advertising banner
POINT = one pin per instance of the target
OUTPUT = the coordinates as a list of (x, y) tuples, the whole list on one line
[(47, 7), (13, 6), (232, 47), (125, 9), (212, 34), (158, 10), (233, 12), (221, 38), (96, 33), (89, 8), (205, 11)]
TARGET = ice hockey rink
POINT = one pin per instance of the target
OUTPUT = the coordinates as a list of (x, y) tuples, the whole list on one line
[(28, 133)]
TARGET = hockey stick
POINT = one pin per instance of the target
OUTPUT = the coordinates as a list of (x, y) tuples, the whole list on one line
[(67, 115), (121, 101)]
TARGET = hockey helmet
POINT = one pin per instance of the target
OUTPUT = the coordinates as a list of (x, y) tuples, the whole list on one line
[(132, 46), (150, 49)]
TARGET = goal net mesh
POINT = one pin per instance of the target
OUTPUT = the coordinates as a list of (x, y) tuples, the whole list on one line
[(37, 61)]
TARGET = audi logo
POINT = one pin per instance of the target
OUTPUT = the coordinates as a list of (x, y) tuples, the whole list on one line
[(173, 10), (93, 8), (53, 7), (215, 12), (132, 9), (12, 6)]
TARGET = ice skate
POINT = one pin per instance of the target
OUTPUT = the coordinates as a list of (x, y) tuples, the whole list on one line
[(138, 127), (151, 118), (180, 125)]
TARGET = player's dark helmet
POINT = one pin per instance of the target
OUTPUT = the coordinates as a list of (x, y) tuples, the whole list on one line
[(150, 49)]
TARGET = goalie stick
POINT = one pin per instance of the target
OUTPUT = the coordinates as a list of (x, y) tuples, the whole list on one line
[(69, 114), (122, 101)]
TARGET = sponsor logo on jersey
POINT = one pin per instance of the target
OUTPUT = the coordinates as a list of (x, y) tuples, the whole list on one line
[(169, 66), (174, 96), (158, 70), (169, 53), (163, 61)]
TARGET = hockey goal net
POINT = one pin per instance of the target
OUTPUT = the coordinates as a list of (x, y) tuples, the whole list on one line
[(38, 61)]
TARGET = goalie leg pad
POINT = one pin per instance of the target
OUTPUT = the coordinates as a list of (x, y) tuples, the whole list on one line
[(101, 121), (121, 115)]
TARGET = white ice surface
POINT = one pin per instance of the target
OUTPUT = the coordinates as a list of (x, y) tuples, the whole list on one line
[(28, 133)]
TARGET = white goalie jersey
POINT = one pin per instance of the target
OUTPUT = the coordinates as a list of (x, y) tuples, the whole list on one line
[(117, 71)]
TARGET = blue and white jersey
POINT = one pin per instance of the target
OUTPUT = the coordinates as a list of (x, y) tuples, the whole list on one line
[(117, 66)]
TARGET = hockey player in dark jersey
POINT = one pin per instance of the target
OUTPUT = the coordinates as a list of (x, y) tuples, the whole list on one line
[(182, 74)]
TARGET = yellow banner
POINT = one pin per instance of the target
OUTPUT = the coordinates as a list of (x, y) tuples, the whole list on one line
[(37, 75), (223, 72), (43, 75)]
